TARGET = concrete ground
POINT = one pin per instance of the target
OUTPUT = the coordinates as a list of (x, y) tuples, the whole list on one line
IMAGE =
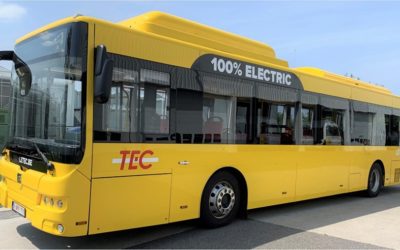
[(340, 222)]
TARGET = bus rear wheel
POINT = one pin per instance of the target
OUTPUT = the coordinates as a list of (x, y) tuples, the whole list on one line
[(375, 180), (220, 200)]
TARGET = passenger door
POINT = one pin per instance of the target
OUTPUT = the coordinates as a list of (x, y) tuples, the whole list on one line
[(131, 179)]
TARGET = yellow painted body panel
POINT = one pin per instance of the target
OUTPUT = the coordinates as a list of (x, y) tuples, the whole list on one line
[(395, 167), (136, 195), (72, 188), (344, 80), (161, 24), (274, 174), (319, 81), (129, 202)]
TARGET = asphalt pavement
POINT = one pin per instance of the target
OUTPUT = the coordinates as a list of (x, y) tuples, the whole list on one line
[(348, 221)]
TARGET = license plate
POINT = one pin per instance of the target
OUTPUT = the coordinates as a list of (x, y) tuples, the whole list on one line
[(18, 209)]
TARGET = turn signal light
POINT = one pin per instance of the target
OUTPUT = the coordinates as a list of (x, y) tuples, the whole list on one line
[(53, 201)]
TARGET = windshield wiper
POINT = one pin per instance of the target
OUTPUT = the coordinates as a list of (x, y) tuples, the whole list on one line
[(49, 165), (16, 147)]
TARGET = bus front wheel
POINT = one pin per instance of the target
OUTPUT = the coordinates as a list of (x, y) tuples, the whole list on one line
[(375, 180), (220, 200)]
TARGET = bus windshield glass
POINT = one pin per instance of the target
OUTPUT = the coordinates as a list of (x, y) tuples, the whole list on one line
[(50, 114)]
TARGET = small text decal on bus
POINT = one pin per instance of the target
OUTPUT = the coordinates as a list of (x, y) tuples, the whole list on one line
[(135, 158), (25, 161)]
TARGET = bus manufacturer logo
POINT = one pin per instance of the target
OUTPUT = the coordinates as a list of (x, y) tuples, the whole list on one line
[(25, 161), (135, 159)]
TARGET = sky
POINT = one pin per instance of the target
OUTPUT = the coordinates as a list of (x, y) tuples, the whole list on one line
[(358, 38)]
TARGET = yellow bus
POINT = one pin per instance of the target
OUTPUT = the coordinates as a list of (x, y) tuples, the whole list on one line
[(157, 119)]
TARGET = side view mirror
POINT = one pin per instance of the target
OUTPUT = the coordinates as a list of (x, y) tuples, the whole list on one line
[(103, 75), (21, 68)]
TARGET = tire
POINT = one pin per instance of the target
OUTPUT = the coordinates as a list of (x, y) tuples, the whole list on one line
[(375, 181), (220, 201)]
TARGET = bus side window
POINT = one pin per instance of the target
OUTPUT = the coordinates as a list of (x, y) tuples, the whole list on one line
[(332, 124), (189, 121), (217, 119), (392, 130), (155, 101), (243, 121), (308, 117), (114, 120), (362, 128), (275, 123)]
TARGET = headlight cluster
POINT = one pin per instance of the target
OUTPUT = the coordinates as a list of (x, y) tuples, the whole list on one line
[(53, 202)]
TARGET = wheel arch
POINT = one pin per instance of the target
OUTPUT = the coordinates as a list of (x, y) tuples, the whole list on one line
[(382, 167), (242, 185)]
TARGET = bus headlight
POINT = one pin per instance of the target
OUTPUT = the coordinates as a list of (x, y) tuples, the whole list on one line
[(60, 203), (53, 202)]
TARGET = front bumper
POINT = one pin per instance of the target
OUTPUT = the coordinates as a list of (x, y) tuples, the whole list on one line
[(41, 196)]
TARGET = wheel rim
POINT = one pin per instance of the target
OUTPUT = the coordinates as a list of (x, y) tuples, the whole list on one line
[(374, 180), (222, 199)]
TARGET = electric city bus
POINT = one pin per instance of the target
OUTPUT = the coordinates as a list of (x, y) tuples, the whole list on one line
[(157, 119)]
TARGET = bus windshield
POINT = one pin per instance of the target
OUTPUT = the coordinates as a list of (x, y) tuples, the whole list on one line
[(50, 113)]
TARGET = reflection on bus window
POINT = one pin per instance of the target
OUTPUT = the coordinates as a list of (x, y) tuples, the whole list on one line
[(332, 133), (155, 101), (362, 128), (117, 118), (332, 126), (307, 116), (392, 123), (217, 119), (242, 128), (275, 123)]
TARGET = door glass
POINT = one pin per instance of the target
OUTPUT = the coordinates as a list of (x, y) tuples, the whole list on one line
[(242, 122), (217, 119), (154, 99)]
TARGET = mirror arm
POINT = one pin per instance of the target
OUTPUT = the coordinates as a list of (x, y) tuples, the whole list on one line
[(6, 55), (21, 68)]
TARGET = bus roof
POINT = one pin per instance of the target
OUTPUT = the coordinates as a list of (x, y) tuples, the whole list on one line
[(212, 40), (171, 26), (343, 79)]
